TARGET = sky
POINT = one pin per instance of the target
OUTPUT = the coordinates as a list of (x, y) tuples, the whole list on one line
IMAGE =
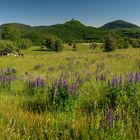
[(90, 12)]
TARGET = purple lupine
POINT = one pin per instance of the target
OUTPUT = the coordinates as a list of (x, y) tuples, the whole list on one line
[(34, 83), (38, 81), (137, 77), (65, 84), (42, 82), (131, 78), (116, 81), (110, 117), (74, 88)]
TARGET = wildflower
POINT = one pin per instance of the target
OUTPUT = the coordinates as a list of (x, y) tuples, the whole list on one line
[(110, 117)]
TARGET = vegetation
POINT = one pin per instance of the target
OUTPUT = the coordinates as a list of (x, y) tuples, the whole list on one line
[(74, 47), (82, 96), (6, 47), (119, 24), (69, 95), (54, 44), (23, 43)]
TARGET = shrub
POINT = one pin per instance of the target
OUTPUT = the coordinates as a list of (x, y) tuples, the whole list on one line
[(126, 43), (6, 47), (135, 43), (24, 43), (113, 41), (110, 43), (54, 44)]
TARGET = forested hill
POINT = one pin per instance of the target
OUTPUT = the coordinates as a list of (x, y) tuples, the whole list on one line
[(119, 24), (72, 30)]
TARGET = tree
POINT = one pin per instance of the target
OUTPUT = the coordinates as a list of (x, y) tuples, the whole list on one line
[(135, 43), (126, 43), (10, 33), (110, 42), (54, 44), (6, 47), (24, 43), (113, 41)]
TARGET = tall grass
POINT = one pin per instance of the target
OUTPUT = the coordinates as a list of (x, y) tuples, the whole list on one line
[(73, 95)]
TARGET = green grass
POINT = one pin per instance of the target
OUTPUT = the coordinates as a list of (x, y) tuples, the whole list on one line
[(81, 118)]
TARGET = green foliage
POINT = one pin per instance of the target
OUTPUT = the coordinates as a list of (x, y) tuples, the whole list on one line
[(126, 43), (98, 112), (54, 44), (135, 43), (119, 24), (36, 37), (72, 31), (110, 43), (24, 43), (10, 33), (6, 47), (114, 41)]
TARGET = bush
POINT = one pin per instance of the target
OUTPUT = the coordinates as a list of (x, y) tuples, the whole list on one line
[(54, 44), (135, 43), (110, 43), (24, 43), (6, 47), (113, 41)]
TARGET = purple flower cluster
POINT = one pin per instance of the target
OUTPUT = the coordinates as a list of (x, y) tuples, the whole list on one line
[(7, 76), (4, 79), (64, 86), (130, 78), (110, 117), (38, 82)]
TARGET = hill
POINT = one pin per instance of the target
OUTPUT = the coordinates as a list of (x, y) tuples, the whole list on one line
[(123, 28), (119, 24), (72, 30)]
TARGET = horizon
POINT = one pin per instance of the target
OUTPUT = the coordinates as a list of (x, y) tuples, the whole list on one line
[(91, 13), (67, 21)]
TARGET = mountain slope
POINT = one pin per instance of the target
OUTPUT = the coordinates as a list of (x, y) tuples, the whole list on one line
[(72, 30), (119, 24)]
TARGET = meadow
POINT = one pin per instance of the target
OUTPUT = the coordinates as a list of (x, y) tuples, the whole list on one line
[(82, 95)]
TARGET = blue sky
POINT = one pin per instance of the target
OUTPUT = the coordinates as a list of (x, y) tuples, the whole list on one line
[(89, 12)]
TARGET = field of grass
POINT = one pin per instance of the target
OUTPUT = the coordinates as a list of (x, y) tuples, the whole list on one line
[(81, 95)]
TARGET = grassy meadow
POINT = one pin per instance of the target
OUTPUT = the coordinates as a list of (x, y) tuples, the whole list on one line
[(82, 95)]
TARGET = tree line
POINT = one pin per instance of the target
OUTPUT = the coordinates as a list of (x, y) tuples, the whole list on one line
[(12, 40)]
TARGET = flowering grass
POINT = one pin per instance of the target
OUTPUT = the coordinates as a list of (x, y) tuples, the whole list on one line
[(83, 94)]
